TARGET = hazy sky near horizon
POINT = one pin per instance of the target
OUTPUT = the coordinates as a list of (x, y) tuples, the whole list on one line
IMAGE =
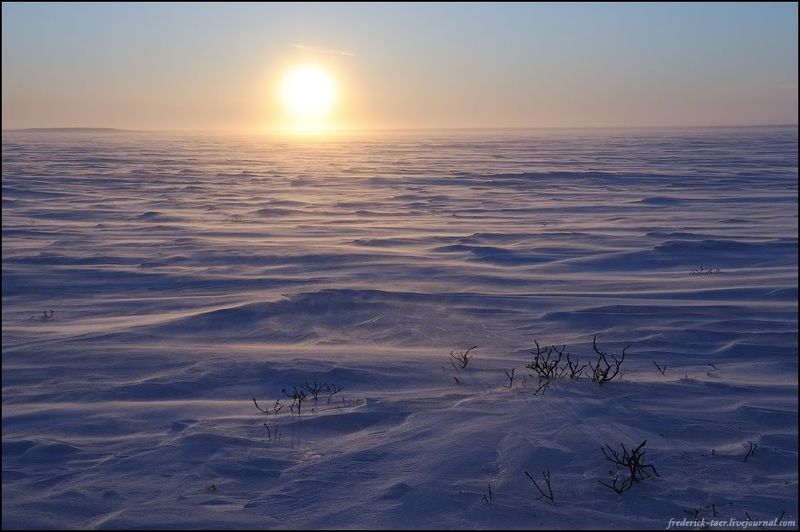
[(217, 66)]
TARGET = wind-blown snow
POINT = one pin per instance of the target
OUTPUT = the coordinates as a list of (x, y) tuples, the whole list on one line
[(188, 274)]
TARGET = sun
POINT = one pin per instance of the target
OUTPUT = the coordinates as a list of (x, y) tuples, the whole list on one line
[(308, 93)]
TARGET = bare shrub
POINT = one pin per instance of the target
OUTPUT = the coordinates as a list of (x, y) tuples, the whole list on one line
[(545, 363), (332, 389), (258, 407), (604, 371), (543, 386), (273, 434), (751, 451), (462, 358), (488, 497), (314, 388), (546, 475), (574, 369), (297, 397), (510, 377), (275, 409), (633, 461)]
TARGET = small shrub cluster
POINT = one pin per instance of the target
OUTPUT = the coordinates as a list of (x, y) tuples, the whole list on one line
[(277, 407), (702, 270), (45, 315), (547, 364), (631, 460), (298, 395)]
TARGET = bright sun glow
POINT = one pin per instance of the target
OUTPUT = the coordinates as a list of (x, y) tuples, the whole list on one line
[(308, 92)]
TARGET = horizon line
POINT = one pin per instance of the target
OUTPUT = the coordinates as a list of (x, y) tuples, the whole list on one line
[(352, 130)]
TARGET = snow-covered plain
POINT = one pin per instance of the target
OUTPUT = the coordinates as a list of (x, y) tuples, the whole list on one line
[(188, 274)]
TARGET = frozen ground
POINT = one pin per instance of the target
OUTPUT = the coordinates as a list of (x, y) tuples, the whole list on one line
[(188, 274)]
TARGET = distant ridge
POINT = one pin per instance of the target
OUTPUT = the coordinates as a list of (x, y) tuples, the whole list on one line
[(71, 130)]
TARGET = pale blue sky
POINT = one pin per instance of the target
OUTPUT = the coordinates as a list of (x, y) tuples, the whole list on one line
[(216, 66)]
